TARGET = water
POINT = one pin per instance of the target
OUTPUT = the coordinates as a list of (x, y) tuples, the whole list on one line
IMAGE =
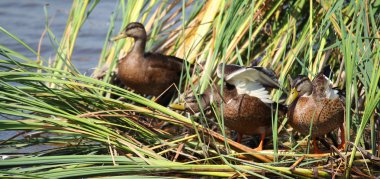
[(26, 19)]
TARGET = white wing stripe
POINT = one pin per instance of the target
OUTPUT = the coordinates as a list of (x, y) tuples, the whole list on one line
[(251, 82), (252, 75), (254, 89)]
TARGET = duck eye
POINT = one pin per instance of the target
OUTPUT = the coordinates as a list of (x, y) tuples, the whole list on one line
[(298, 89)]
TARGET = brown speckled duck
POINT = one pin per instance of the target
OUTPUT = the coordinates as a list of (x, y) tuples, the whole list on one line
[(148, 73), (315, 103), (247, 107)]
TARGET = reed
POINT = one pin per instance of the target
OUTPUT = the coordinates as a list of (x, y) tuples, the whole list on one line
[(95, 134)]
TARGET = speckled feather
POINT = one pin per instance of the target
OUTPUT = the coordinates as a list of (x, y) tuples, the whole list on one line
[(318, 109), (242, 113), (325, 115)]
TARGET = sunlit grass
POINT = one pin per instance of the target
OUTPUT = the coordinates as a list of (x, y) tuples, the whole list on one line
[(102, 136)]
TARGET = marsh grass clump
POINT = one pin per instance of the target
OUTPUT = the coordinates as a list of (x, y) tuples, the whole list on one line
[(95, 134)]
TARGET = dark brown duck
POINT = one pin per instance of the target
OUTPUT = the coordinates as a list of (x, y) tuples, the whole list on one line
[(148, 73), (247, 107)]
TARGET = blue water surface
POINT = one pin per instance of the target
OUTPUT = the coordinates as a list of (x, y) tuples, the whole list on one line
[(26, 19)]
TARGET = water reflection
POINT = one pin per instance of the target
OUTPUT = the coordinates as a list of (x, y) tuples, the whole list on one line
[(26, 20)]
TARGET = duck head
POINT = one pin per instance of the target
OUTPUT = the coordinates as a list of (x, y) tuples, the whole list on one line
[(135, 30), (300, 86), (195, 103), (193, 106)]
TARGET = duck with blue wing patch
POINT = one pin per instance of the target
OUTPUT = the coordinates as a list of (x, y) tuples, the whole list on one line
[(247, 104)]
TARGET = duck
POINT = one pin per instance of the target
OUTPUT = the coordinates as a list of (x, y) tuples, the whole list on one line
[(316, 106), (247, 104), (148, 73)]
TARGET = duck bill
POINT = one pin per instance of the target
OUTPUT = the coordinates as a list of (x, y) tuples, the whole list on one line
[(178, 106), (120, 36), (293, 96)]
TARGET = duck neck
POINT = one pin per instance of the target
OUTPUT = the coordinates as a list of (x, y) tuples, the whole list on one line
[(139, 46)]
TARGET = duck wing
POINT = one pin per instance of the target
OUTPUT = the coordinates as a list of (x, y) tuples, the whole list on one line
[(252, 81), (167, 63), (322, 87)]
